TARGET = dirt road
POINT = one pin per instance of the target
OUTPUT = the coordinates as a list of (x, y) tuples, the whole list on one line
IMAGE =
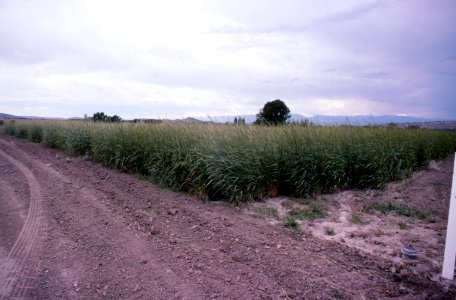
[(72, 229)]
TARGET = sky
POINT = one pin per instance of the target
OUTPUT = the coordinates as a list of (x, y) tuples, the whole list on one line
[(175, 59)]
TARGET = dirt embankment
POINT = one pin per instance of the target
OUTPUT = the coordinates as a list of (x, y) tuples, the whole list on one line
[(71, 229)]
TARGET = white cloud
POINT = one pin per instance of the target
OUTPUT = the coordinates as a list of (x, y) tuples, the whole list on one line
[(201, 57)]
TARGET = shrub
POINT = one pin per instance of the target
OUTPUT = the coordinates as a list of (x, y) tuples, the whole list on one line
[(36, 133), (79, 141), (54, 138), (22, 132)]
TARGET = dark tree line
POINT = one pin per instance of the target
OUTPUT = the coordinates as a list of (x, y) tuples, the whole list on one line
[(239, 121), (101, 117), (273, 113)]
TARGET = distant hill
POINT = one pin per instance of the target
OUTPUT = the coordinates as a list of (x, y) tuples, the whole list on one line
[(8, 116), (42, 118), (188, 120), (362, 120), (443, 125), (359, 120)]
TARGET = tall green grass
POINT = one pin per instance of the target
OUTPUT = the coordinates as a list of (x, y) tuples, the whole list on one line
[(238, 163)]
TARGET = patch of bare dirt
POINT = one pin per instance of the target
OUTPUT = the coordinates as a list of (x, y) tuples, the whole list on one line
[(106, 234)]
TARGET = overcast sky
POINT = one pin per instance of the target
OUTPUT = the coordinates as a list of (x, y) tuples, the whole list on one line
[(172, 59)]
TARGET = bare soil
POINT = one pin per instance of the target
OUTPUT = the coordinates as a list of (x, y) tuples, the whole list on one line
[(72, 229)]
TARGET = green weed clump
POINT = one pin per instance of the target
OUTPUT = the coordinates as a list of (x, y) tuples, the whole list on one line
[(314, 211), (53, 137), (330, 231), (22, 132), (290, 222), (357, 219), (78, 141), (237, 163), (36, 133), (270, 212), (401, 210)]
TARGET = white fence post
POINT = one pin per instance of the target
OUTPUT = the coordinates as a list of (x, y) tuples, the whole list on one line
[(450, 242)]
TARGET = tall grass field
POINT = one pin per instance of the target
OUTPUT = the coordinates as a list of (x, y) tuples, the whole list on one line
[(237, 163)]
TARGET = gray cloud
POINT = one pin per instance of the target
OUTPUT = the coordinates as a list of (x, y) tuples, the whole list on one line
[(210, 57)]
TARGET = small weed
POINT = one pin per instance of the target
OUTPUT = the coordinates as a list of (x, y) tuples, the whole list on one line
[(314, 211), (378, 233), (406, 211), (303, 201), (338, 294), (330, 231), (290, 222), (357, 219), (421, 215), (267, 212), (402, 225), (382, 208), (378, 193), (401, 210)]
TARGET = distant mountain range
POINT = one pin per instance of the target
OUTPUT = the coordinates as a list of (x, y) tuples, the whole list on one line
[(365, 119), (8, 116), (358, 120)]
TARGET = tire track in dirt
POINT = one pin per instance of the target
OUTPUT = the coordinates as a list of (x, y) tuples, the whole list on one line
[(12, 216), (84, 210), (15, 278), (8, 192)]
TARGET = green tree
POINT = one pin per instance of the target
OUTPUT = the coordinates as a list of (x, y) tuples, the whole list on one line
[(114, 118), (239, 121), (273, 113), (99, 117)]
